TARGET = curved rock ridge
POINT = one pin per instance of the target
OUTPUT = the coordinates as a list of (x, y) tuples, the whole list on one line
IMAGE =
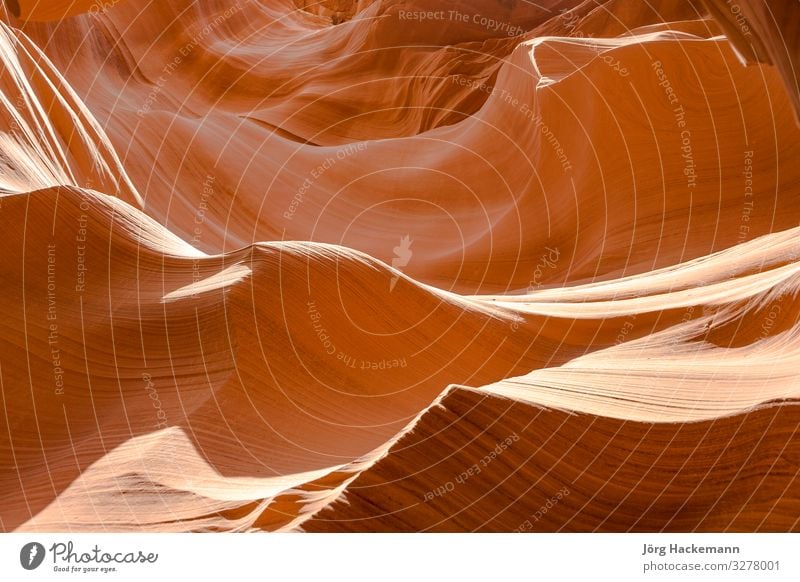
[(48, 136), (488, 150), (487, 464), (396, 265), (764, 32)]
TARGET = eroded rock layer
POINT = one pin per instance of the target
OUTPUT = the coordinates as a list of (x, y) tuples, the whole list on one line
[(397, 265)]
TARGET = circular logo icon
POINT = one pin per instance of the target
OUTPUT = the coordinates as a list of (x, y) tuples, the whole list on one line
[(31, 555)]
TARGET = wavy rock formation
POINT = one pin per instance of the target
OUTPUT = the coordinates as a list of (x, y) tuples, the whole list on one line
[(397, 265), (765, 32)]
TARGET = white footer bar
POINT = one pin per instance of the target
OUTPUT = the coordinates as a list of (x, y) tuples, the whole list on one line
[(396, 557)]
